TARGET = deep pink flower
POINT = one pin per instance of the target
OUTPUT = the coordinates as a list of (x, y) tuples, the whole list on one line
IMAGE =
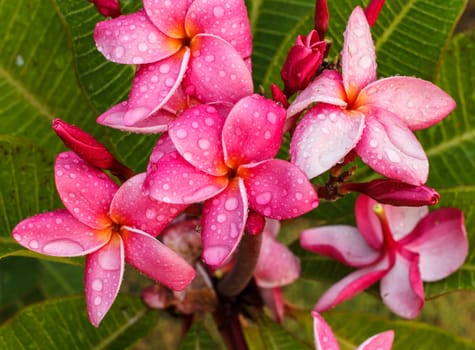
[(322, 17), (108, 8), (276, 267), (195, 44), (376, 117), (401, 246), (228, 163), (109, 225), (325, 339), (372, 11)]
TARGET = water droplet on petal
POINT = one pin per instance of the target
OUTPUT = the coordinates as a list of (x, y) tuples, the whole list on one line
[(271, 117), (218, 11), (63, 247), (365, 62), (164, 68), (181, 133), (97, 285), (119, 51), (34, 244), (231, 204), (203, 144), (221, 218), (392, 155), (97, 301), (373, 143), (264, 198)]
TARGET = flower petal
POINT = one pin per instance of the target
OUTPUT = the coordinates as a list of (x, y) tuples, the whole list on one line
[(340, 242), (103, 270), (278, 189), (132, 208), (163, 146), (174, 180), (391, 149), (380, 341), (327, 88), (358, 57), (153, 85), (273, 299), (276, 265), (352, 284), (196, 134), (229, 21), (224, 218), (441, 241), (156, 260), (420, 103), (155, 123), (168, 16), (85, 191), (133, 39), (58, 233), (323, 334), (323, 137), (253, 131), (401, 289), (213, 60)]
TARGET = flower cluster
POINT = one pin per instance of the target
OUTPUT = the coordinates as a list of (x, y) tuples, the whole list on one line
[(214, 191)]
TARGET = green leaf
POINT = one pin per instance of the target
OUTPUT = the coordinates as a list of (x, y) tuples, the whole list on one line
[(197, 338), (63, 324)]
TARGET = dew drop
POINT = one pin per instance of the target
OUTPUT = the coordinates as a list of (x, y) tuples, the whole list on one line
[(203, 144), (97, 301), (150, 213), (365, 62), (152, 37), (63, 247), (218, 11), (264, 198), (164, 68), (221, 218), (143, 47), (137, 60), (231, 204), (34, 244), (373, 143), (97, 285), (181, 133), (392, 155), (272, 117)]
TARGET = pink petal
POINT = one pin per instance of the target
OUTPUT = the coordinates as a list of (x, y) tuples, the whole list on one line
[(153, 85), (401, 289), (327, 88), (352, 284), (253, 131), (133, 39), (273, 299), (380, 341), (272, 227), (156, 260), (163, 146), (323, 137), (196, 134), (276, 265), (278, 189), (358, 56), (228, 21), (420, 103), (58, 233), (340, 242), (224, 218), (323, 334), (441, 241), (132, 208), (103, 270), (391, 149), (174, 180), (155, 123), (168, 16), (85, 191), (213, 61)]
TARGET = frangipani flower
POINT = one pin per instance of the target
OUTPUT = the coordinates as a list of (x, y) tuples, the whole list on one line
[(109, 225), (228, 163), (399, 246), (325, 339), (376, 117), (193, 43), (276, 267)]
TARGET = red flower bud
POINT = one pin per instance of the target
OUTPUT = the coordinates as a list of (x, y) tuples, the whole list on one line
[(394, 192), (108, 8), (321, 17), (279, 96), (255, 223), (372, 11), (302, 63)]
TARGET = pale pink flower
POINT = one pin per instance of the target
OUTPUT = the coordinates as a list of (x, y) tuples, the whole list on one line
[(374, 117), (193, 44), (228, 163), (276, 267), (108, 224), (399, 246), (325, 339)]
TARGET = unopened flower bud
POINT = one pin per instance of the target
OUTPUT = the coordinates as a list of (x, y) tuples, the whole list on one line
[(372, 11), (302, 63), (394, 192), (108, 8), (279, 96), (321, 17)]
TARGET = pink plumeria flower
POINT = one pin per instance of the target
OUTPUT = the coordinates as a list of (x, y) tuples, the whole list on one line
[(109, 225), (276, 267), (374, 117), (325, 339), (195, 44), (399, 246), (228, 163)]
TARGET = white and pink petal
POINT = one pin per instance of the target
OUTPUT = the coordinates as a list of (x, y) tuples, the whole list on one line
[(323, 334), (380, 341)]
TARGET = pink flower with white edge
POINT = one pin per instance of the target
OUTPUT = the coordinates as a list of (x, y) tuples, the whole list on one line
[(195, 44), (374, 117), (399, 246), (228, 163), (276, 267), (108, 224), (325, 339)]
